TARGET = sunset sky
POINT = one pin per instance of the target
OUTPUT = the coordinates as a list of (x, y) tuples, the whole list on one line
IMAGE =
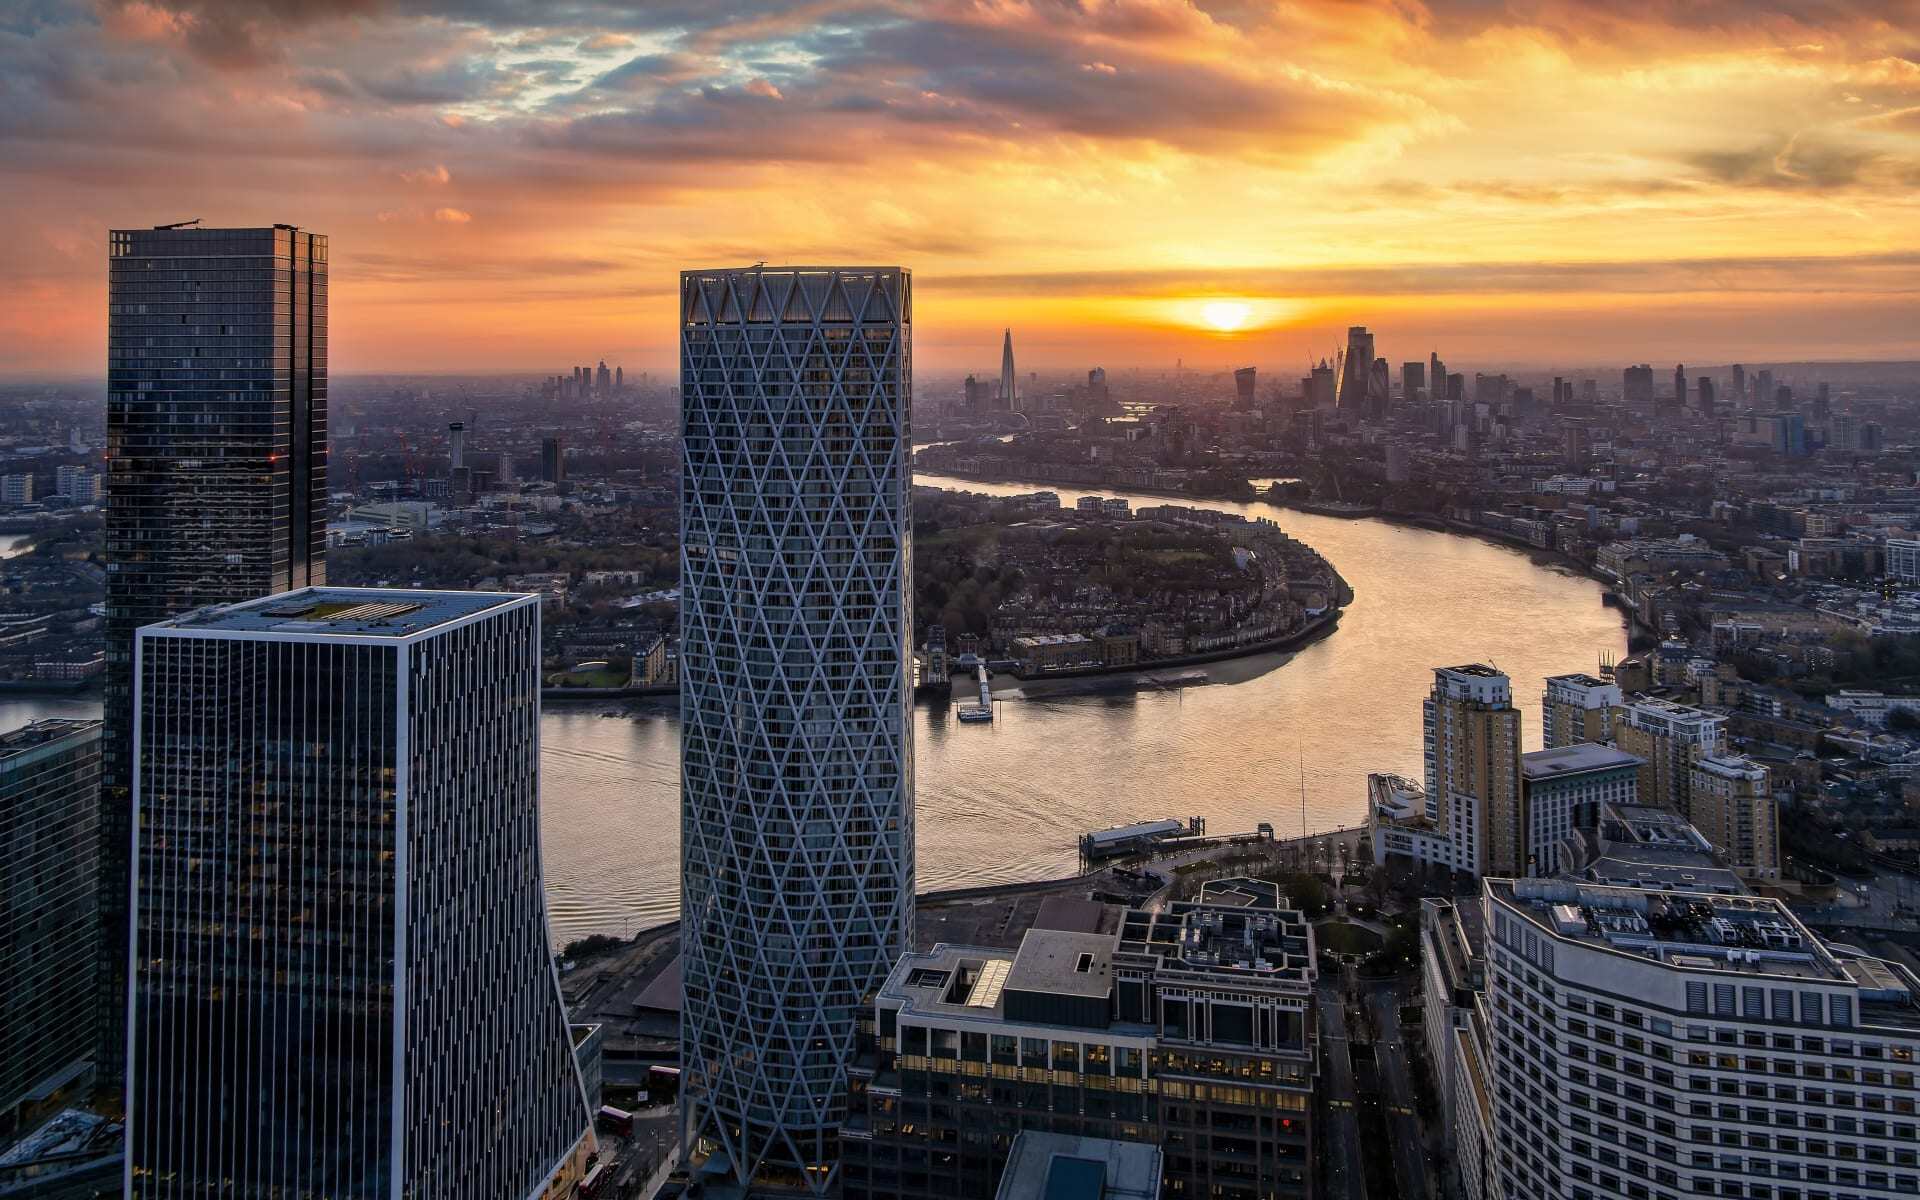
[(516, 185)]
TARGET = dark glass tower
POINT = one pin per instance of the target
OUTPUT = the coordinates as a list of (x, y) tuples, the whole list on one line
[(217, 472), (343, 981)]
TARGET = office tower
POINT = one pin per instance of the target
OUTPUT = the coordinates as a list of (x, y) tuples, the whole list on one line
[(1379, 378), (1191, 1029), (1472, 739), (456, 446), (796, 755), (1705, 387), (1673, 1043), (1436, 376), (49, 906), (1356, 365), (619, 379), (1243, 389), (603, 380), (1637, 388), (1590, 391), (1739, 384), (504, 470), (1320, 386), (1099, 398), (1559, 383), (216, 473), (1680, 386), (979, 396), (1577, 708), (1457, 389), (1563, 789), (1669, 737), (1413, 381), (553, 460), (1009, 384), (344, 984), (1733, 805)]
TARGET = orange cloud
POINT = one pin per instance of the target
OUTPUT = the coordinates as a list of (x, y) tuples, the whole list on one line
[(1091, 171)]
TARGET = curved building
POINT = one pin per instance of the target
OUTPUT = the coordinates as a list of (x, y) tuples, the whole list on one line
[(796, 759)]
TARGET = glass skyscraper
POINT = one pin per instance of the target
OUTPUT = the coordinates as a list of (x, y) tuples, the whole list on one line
[(343, 984), (216, 475), (49, 862), (796, 753)]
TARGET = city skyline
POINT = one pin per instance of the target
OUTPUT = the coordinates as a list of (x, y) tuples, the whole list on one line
[(1535, 183)]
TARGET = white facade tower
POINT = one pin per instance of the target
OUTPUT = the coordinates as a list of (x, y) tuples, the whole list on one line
[(342, 979), (796, 751)]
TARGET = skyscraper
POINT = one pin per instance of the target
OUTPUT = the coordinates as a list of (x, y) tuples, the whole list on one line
[(1705, 402), (1009, 387), (1413, 380), (796, 753), (1472, 733), (344, 984), (1637, 386), (553, 460), (1379, 381), (1739, 384), (49, 919), (1356, 366), (216, 473), (1680, 386), (603, 379), (1243, 389)]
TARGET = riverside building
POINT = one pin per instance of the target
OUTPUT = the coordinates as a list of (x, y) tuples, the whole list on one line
[(1191, 1029), (1577, 708), (1659, 1045), (1471, 732), (796, 754), (343, 982), (1668, 737), (216, 486)]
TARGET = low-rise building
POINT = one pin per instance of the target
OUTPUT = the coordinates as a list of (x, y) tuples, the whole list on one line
[(1564, 789), (1190, 1029)]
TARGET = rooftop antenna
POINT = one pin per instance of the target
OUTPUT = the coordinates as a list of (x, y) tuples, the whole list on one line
[(180, 224)]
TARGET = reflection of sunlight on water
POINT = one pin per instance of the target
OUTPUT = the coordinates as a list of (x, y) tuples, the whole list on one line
[(1006, 801)]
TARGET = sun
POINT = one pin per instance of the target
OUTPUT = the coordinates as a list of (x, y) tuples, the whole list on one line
[(1226, 315)]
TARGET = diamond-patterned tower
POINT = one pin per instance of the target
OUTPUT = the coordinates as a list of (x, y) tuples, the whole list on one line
[(796, 775)]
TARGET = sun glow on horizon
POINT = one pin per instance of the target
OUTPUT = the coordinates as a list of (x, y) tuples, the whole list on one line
[(1226, 316)]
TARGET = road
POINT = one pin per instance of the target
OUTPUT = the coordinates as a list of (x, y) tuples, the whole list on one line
[(1396, 1076), (1341, 1172)]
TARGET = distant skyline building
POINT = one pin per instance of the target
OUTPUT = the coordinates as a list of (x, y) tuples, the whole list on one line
[(216, 472), (1243, 389), (553, 460), (344, 982), (603, 380), (619, 378), (1680, 386), (1009, 382), (795, 700), (1637, 386), (1356, 368), (1739, 384), (1413, 381), (49, 907), (1705, 397), (456, 446)]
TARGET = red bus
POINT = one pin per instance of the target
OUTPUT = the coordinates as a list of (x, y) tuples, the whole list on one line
[(619, 1120), (590, 1186)]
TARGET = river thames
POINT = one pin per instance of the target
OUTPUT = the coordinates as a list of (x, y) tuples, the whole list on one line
[(1007, 801)]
